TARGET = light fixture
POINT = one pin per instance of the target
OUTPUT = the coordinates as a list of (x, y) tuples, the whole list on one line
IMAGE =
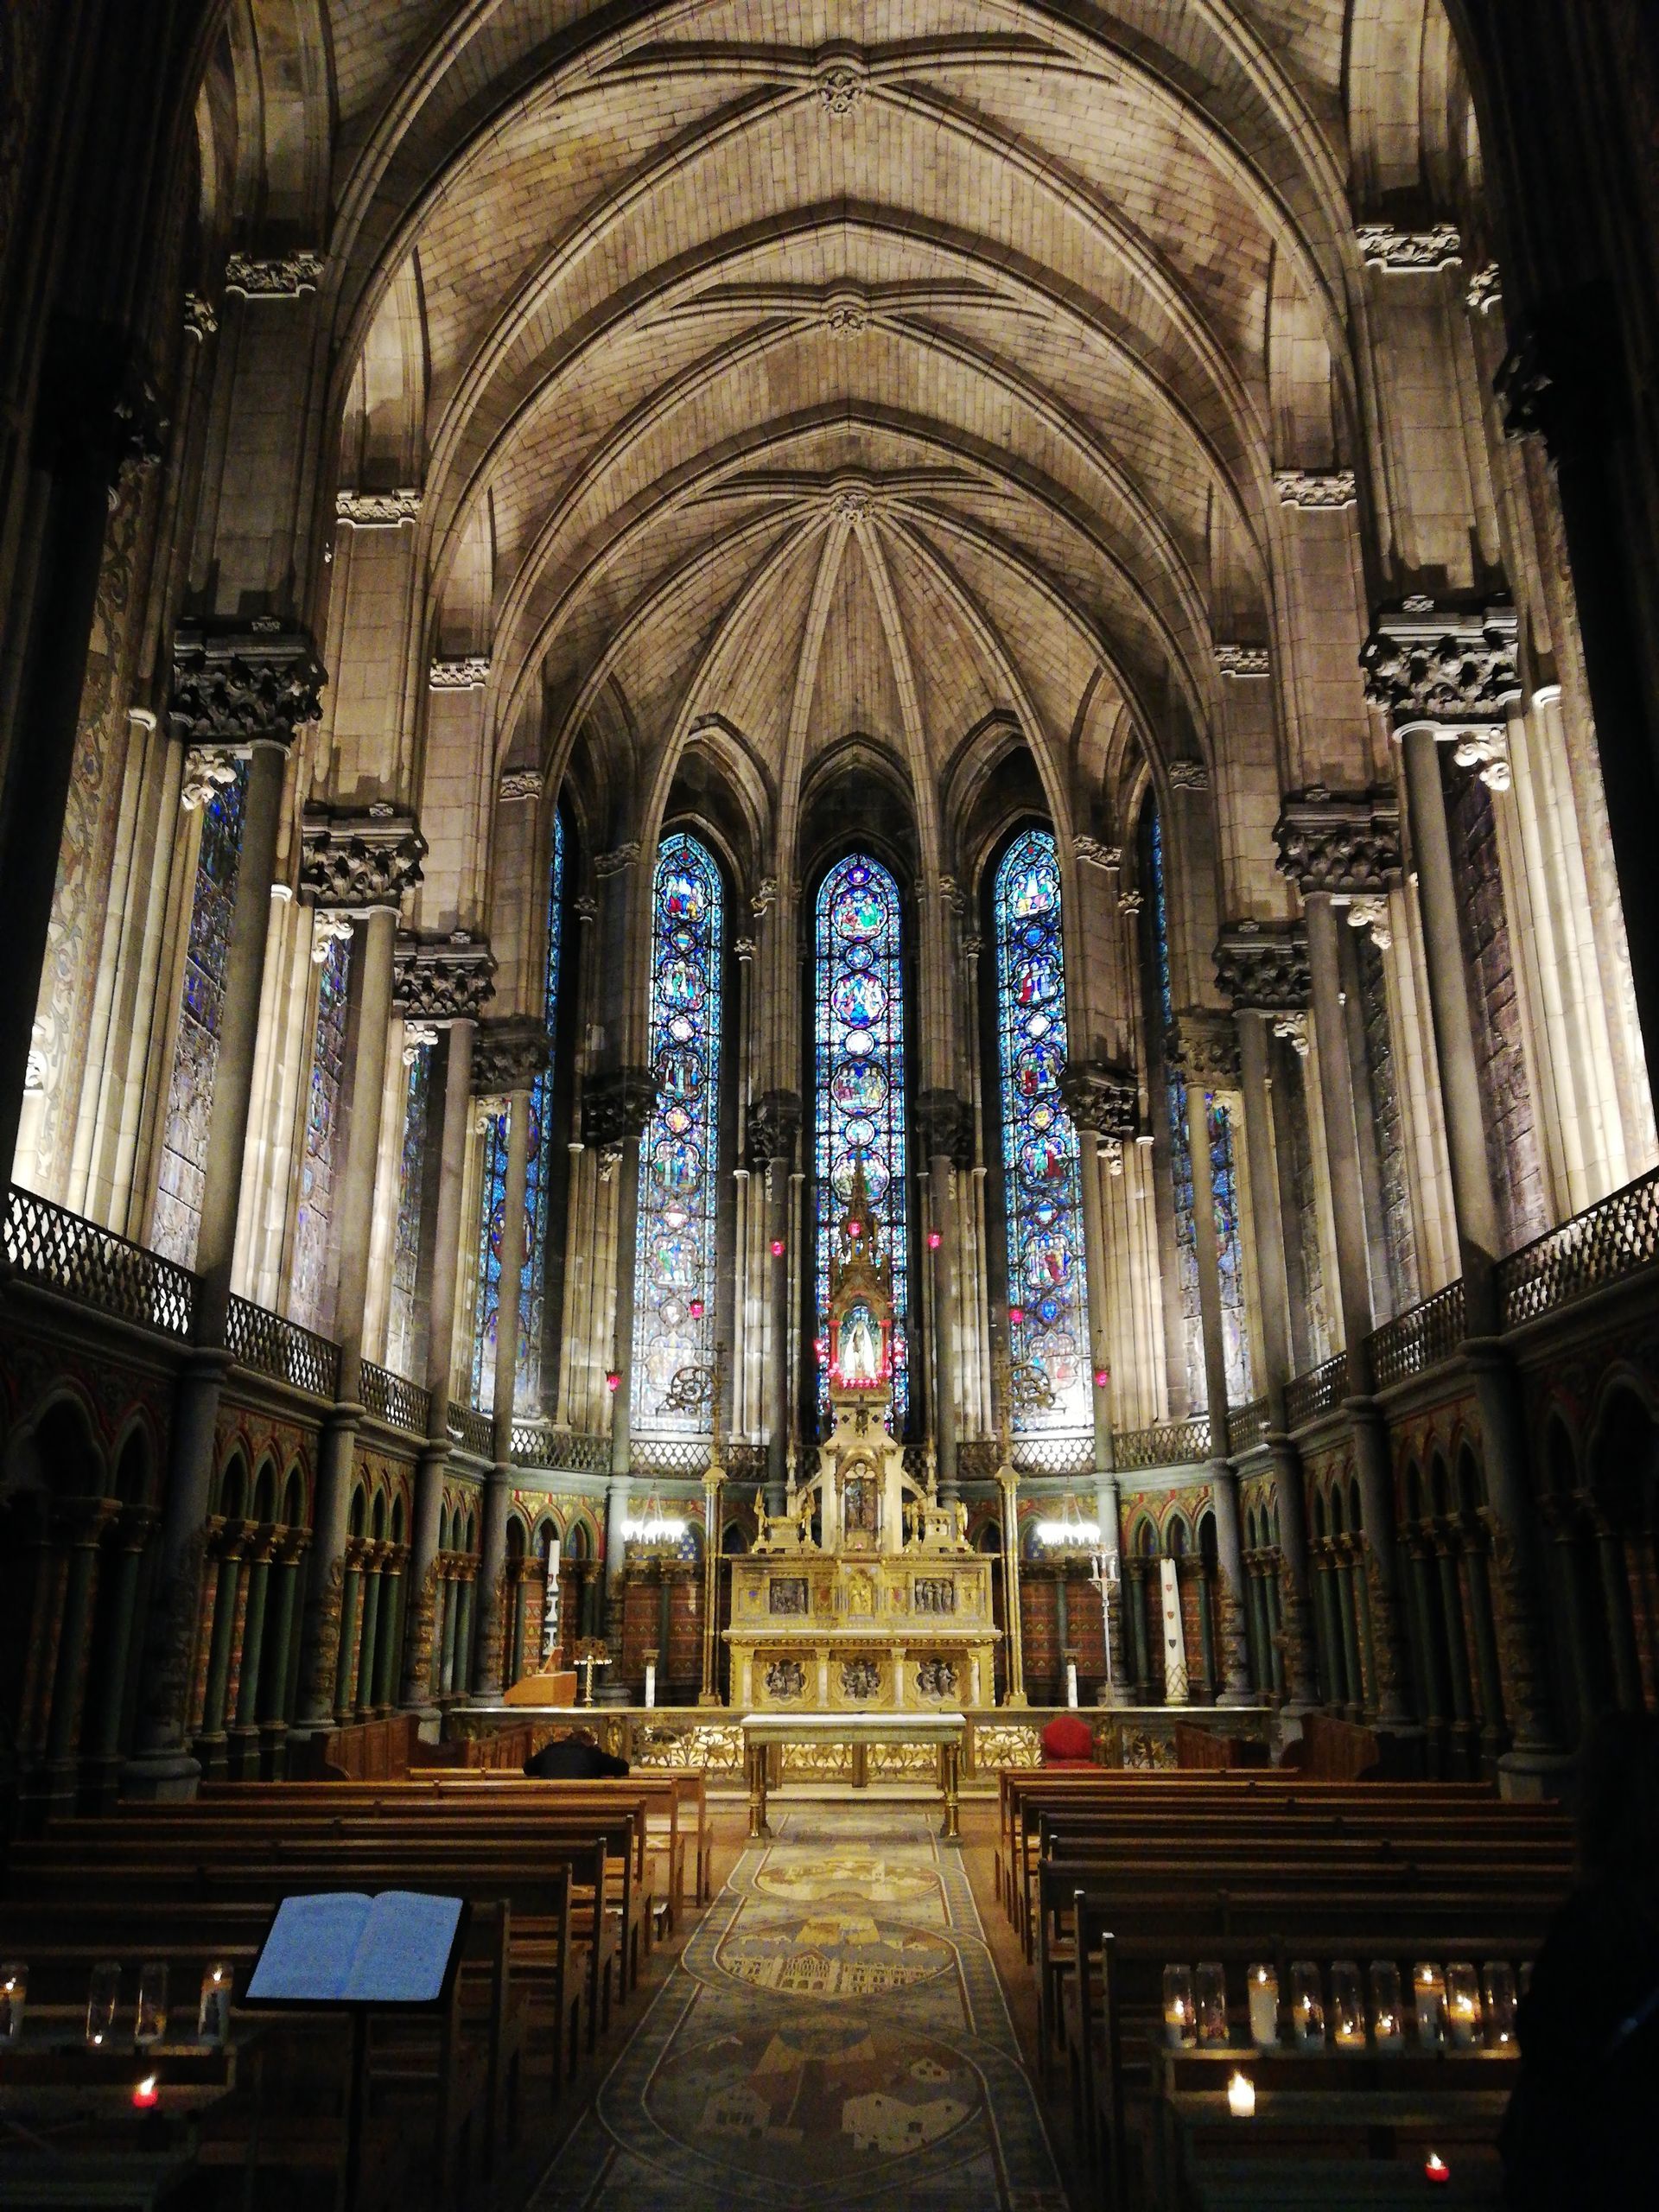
[(656, 1529), (1102, 1376), (613, 1381), (934, 1240), (1016, 1314), (695, 1308), (777, 1248), (1068, 1536)]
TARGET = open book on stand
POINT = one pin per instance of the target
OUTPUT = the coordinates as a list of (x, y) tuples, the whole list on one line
[(341, 1948)]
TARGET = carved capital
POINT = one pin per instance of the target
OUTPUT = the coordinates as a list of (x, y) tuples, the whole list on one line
[(508, 1055), (1094, 854), (1371, 912), (1487, 751), (1293, 1027), (280, 277), (1263, 969), (328, 929), (359, 860), (1241, 661), (1444, 666), (617, 1105), (1316, 488), (945, 1122), (458, 673), (774, 1123), (377, 510), (446, 981), (1346, 843), (521, 783), (619, 858), (1409, 252), (743, 949), (200, 323), (418, 1037), (206, 773), (1205, 1047), (1188, 776), (236, 685), (1101, 1096), (1485, 288)]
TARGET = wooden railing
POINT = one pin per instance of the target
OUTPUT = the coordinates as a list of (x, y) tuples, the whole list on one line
[(66, 1252), (270, 1345), (1413, 1343), (1319, 1392), (395, 1400), (1606, 1242)]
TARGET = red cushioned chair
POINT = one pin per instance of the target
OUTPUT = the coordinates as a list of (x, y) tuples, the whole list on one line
[(1068, 1741)]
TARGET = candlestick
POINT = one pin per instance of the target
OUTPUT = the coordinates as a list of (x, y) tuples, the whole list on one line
[(1263, 1986), (1428, 2002), (1241, 2097), (1210, 1996), (1347, 2008), (1388, 2020), (1306, 2005), (1499, 1981), (1462, 2005), (1180, 2026)]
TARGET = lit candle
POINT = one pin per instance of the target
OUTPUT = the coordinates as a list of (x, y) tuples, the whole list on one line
[(1436, 2169), (1241, 2097), (1264, 2007), (1388, 2025), (1210, 1985), (1429, 2000), (1462, 2005), (148, 2095), (1072, 1681), (1180, 2024), (14, 1989), (1306, 2006), (1500, 2004), (1347, 2012), (213, 2010)]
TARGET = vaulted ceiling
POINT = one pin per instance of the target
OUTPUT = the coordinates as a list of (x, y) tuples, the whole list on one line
[(812, 367)]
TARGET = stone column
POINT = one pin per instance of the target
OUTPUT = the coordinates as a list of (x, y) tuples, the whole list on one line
[(233, 689), (1265, 973), (946, 1125), (244, 1751), (137, 1522), (359, 865), (447, 985), (774, 1126), (1206, 1052), (1337, 846), (1447, 675), (615, 1109), (81, 1523), (507, 1058)]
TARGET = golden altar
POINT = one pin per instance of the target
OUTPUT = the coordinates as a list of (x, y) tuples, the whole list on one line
[(864, 1595)]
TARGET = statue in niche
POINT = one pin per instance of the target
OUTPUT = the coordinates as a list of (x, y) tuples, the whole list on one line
[(860, 1595), (860, 1349), (858, 1513), (861, 1678), (936, 1678), (934, 1595), (789, 1596), (785, 1678)]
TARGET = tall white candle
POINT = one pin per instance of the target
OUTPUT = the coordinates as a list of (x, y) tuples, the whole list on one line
[(651, 1682)]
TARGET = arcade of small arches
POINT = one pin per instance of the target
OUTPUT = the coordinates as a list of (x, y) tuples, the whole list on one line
[(717, 601)]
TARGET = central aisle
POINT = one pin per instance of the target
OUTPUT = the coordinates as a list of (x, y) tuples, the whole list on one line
[(833, 2033)]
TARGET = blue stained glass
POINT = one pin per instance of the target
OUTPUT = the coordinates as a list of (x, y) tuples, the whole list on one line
[(674, 1264), (1180, 1156), (405, 1345), (492, 1209), (1230, 1252), (859, 1091), (195, 1057), (1047, 1284), (310, 1297)]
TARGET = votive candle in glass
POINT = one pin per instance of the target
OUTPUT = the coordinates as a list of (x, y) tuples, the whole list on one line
[(1241, 2097), (1210, 1986), (1499, 1983), (1388, 2015), (103, 1993), (1180, 2021), (1347, 2007), (1462, 2005), (151, 2023), (213, 2012), (1428, 2003), (1263, 1988), (14, 1990), (1306, 2005)]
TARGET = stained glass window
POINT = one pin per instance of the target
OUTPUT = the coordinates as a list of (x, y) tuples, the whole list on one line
[(860, 1036), (674, 1271), (1229, 1251), (532, 1285), (195, 1056), (405, 1337), (310, 1298), (1180, 1157), (1047, 1284)]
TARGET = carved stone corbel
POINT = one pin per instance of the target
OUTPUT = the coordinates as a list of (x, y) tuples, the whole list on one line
[(442, 981), (359, 861), (1264, 968)]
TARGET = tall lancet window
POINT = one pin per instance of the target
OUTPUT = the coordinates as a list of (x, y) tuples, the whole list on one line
[(1223, 1175), (1047, 1283), (860, 1039), (679, 1161), (311, 1297), (533, 1289)]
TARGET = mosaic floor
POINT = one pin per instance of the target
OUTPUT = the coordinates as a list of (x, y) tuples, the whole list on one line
[(833, 2034)]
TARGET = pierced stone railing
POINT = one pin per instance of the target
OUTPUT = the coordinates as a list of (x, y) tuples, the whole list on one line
[(1167, 1444), (565, 1450), (1605, 1243), (1319, 1391), (267, 1344), (664, 1458), (66, 1252), (1413, 1343), (1247, 1426), (395, 1400), (474, 1432)]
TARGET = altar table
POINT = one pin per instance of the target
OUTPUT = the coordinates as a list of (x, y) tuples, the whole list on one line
[(761, 1730)]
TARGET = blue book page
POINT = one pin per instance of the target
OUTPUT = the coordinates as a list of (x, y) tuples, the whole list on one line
[(402, 1952), (311, 1949)]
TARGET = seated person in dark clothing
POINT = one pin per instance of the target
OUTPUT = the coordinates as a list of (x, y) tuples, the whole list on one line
[(1583, 2125), (575, 1757)]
